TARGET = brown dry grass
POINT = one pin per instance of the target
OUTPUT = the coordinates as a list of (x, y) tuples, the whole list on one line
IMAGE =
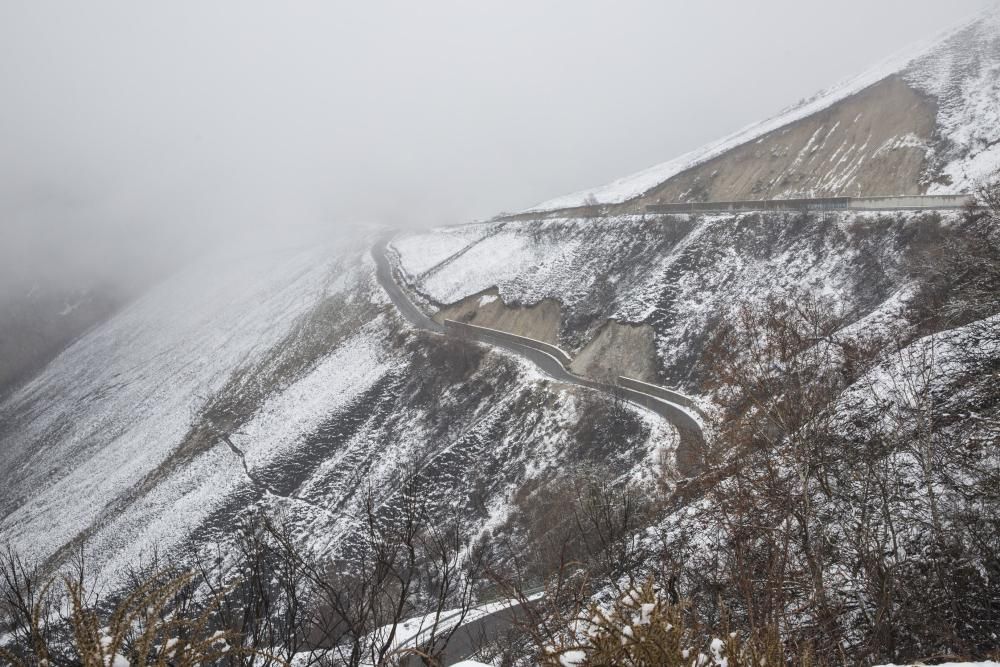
[(144, 630)]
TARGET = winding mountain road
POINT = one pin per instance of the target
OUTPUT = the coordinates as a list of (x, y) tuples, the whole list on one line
[(690, 439)]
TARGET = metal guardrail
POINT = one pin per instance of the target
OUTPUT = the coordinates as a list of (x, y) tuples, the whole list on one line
[(665, 401), (901, 202), (665, 393), (560, 355)]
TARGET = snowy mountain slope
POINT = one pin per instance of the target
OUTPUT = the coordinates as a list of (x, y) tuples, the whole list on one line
[(108, 410), (282, 381), (38, 320), (952, 80), (684, 276), (909, 451), (963, 75)]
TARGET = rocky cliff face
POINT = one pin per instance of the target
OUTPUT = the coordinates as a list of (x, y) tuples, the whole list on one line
[(872, 143)]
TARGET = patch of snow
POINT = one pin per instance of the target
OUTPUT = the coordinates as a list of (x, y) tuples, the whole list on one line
[(424, 251), (572, 658)]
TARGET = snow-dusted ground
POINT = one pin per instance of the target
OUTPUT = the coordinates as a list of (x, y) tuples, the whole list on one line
[(685, 276), (963, 74), (959, 67), (329, 393), (176, 506), (110, 408), (429, 252)]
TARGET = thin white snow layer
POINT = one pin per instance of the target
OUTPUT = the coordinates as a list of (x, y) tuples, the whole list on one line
[(113, 406), (427, 251), (175, 507), (933, 66), (904, 382), (963, 74), (525, 265)]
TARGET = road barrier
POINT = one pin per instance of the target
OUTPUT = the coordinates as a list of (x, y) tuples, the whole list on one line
[(460, 327), (682, 419), (896, 203), (661, 392), (672, 404), (911, 203), (668, 404)]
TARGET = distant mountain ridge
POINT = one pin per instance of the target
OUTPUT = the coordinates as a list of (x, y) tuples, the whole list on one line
[(923, 122)]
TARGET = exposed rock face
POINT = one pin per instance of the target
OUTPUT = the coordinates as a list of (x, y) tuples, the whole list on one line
[(615, 349), (872, 143), (539, 321), (619, 349)]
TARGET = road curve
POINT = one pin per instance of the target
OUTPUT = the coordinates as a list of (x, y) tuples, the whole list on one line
[(689, 448), (383, 271)]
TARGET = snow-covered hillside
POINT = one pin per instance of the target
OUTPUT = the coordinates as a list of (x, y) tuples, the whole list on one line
[(958, 71), (683, 276), (282, 380)]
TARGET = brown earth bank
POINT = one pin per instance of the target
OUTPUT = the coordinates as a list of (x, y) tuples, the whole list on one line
[(875, 142), (872, 143), (486, 309), (619, 349), (616, 348)]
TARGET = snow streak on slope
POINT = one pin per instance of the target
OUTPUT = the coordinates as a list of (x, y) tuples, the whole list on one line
[(963, 74), (177, 506), (568, 259), (439, 249)]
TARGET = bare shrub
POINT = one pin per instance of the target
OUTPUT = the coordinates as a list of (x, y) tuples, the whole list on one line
[(643, 628)]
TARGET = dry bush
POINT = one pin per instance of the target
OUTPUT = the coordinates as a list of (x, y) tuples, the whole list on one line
[(959, 270), (150, 627), (642, 628)]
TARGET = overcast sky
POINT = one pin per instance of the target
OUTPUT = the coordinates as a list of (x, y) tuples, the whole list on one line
[(153, 123)]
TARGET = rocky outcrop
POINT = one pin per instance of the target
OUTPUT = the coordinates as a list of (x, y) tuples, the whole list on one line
[(486, 309)]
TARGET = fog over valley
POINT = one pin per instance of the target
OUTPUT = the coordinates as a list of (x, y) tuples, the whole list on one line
[(129, 131)]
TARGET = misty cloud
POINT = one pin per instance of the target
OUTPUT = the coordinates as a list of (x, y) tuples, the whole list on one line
[(134, 132)]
